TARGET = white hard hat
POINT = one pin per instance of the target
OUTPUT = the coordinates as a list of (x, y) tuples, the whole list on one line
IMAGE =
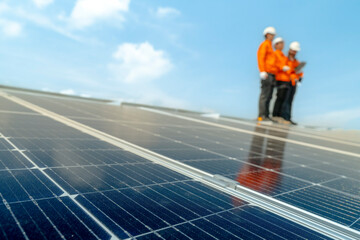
[(270, 30), (277, 40), (295, 46)]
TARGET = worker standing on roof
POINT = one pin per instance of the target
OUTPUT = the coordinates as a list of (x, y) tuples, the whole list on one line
[(267, 69), (282, 77), (295, 78)]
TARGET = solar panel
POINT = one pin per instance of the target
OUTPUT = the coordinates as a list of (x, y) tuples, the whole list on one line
[(123, 189), (72, 172)]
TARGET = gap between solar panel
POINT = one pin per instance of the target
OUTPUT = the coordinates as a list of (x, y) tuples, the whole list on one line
[(253, 133), (309, 220)]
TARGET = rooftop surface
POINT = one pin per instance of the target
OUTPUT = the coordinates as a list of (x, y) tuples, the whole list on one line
[(84, 169)]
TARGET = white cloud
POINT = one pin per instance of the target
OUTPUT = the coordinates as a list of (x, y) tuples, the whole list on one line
[(71, 91), (86, 12), (10, 28), (42, 3), (139, 63), (68, 91), (38, 19), (85, 95), (4, 7), (47, 23), (163, 12)]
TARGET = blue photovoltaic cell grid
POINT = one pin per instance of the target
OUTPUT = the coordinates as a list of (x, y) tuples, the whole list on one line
[(21, 185), (236, 223), (249, 159), (270, 174), (326, 203), (356, 225), (129, 194), (273, 167), (53, 218)]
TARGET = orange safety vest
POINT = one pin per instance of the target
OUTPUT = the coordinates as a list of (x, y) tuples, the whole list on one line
[(293, 75), (280, 61), (266, 57)]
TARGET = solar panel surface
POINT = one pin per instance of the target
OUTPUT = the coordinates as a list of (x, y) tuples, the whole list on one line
[(133, 197)]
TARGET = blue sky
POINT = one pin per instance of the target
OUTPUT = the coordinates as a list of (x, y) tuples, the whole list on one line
[(198, 55)]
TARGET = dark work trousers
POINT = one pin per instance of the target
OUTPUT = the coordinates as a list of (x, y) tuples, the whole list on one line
[(286, 113), (267, 87), (281, 96)]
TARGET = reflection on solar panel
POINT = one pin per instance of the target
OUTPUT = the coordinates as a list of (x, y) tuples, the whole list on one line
[(72, 169)]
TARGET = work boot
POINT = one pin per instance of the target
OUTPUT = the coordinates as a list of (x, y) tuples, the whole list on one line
[(277, 119), (284, 121), (264, 120), (280, 120)]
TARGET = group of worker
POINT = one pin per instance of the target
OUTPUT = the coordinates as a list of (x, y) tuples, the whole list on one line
[(280, 71)]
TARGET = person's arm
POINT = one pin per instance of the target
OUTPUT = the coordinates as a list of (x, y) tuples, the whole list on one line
[(261, 60), (261, 55), (280, 62), (300, 76)]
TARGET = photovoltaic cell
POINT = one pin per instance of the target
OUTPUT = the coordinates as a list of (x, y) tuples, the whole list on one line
[(242, 223), (7, 105), (12, 160), (21, 185), (81, 157), (8, 225), (346, 185), (352, 173), (326, 203), (356, 225), (295, 175), (55, 218)]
